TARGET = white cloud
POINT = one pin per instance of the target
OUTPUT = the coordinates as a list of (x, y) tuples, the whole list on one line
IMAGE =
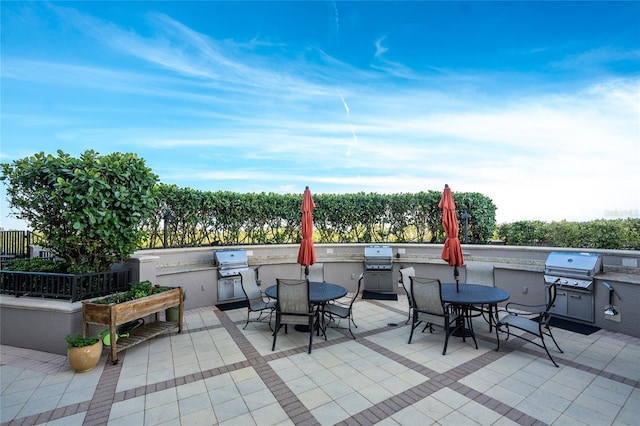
[(216, 115)]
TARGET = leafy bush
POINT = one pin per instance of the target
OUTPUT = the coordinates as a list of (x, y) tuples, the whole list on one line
[(88, 209), (615, 234), (36, 265)]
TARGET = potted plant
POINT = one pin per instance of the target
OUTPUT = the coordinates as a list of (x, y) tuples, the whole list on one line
[(172, 314), (83, 353)]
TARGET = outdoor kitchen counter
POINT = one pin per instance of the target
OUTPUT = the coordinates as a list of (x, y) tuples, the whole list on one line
[(619, 277)]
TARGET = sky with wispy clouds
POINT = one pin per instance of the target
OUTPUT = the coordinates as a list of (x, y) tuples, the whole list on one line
[(534, 104)]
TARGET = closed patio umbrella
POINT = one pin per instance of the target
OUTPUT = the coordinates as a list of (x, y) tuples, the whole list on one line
[(452, 251), (307, 253)]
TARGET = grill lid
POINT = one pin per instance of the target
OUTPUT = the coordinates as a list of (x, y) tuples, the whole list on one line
[(572, 269), (230, 261), (573, 264), (378, 257)]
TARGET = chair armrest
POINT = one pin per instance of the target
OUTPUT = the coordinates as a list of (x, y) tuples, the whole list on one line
[(509, 308)]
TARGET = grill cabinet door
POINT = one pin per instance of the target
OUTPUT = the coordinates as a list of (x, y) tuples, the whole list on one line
[(230, 289), (560, 305), (380, 281), (580, 306)]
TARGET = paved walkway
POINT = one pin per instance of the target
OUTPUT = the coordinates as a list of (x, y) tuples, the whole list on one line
[(216, 373)]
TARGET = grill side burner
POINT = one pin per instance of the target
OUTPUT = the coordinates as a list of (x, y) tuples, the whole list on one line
[(573, 273), (230, 262), (378, 264)]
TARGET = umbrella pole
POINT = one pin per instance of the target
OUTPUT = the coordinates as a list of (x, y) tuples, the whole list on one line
[(456, 275)]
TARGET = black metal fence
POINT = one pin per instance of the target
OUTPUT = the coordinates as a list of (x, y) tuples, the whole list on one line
[(17, 245), (63, 286)]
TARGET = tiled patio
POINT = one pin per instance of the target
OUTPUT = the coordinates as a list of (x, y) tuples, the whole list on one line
[(216, 373)]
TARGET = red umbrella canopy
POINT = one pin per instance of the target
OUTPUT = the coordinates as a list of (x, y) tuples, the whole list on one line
[(307, 253), (452, 251)]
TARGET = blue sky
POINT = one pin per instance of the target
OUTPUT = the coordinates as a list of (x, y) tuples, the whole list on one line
[(533, 104)]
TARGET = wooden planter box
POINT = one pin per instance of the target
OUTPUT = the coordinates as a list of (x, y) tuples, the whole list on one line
[(117, 314)]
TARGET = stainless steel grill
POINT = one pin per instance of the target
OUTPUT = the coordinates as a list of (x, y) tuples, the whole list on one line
[(230, 262), (573, 273), (377, 269), (573, 270), (378, 258)]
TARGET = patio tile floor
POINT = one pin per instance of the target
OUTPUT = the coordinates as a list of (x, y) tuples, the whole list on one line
[(216, 373)]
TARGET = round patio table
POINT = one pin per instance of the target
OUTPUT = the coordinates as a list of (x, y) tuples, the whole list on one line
[(473, 294), (470, 295), (319, 292)]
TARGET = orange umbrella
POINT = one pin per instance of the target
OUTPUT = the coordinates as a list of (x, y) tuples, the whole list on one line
[(307, 253), (452, 251)]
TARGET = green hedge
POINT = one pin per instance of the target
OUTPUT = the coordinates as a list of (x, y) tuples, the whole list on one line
[(620, 234), (228, 218)]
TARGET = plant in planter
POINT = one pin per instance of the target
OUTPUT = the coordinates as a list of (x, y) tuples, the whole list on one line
[(83, 353), (137, 291)]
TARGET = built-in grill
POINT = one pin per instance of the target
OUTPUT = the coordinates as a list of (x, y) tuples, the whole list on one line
[(573, 273), (378, 258), (377, 269), (230, 262)]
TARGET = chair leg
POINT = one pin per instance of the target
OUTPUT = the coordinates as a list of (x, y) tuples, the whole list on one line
[(351, 332), (544, 345), (410, 311), (553, 338), (270, 317), (447, 333), (260, 318), (247, 323), (490, 319), (473, 334), (413, 326), (351, 317), (275, 333), (311, 325)]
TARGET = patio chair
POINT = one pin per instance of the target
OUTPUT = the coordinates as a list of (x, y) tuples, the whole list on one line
[(405, 280), (344, 310), (481, 274), (294, 307), (532, 322), (255, 299), (316, 272), (428, 307)]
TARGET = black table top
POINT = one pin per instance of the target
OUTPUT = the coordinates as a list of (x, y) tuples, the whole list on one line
[(472, 294), (318, 292)]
